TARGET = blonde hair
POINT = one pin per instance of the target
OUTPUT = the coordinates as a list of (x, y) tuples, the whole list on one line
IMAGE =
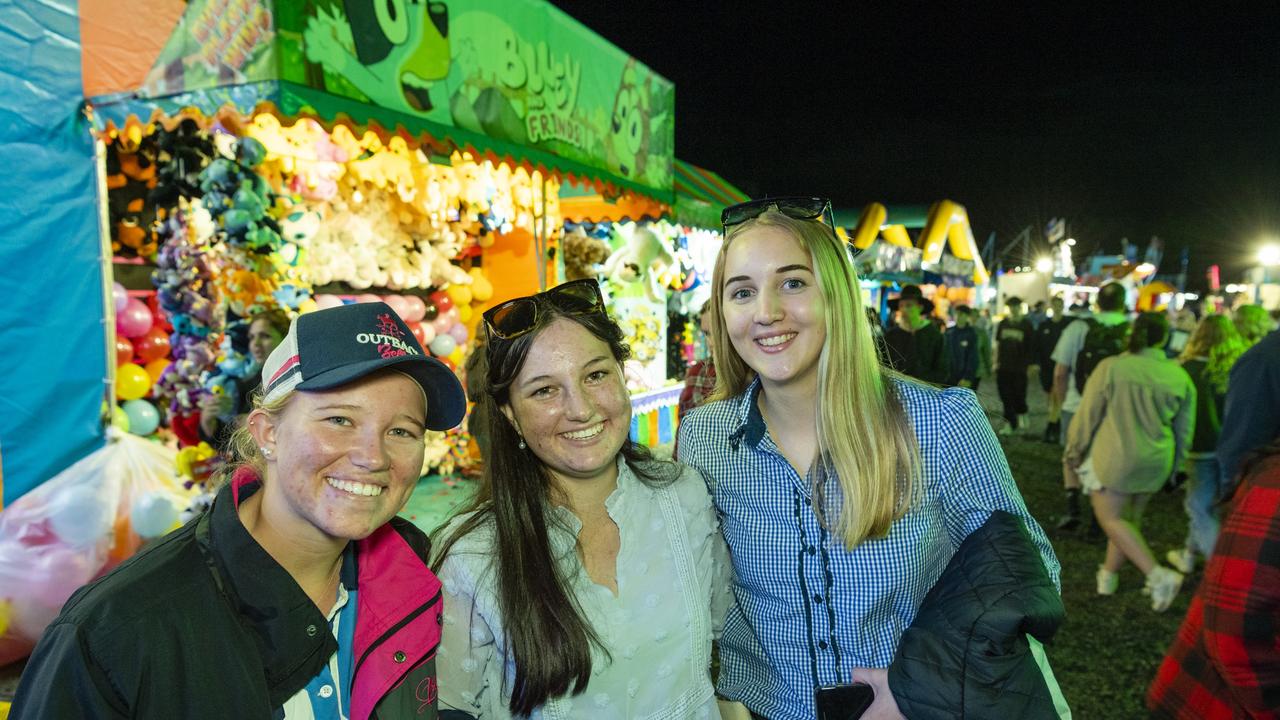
[(1217, 340), (864, 435), (1252, 322), (242, 448)]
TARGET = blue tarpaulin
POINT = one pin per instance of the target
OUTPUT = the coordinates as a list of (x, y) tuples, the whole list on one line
[(53, 361)]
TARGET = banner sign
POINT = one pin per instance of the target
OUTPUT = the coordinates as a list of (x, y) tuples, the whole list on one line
[(519, 71)]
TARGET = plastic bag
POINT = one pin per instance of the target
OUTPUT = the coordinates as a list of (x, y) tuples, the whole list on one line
[(78, 526)]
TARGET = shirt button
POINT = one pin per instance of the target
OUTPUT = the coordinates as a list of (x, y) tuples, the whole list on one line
[(822, 644), (811, 550), (399, 656), (312, 630), (817, 598), (326, 691)]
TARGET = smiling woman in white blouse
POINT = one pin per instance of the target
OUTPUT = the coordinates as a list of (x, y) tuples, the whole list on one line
[(584, 580)]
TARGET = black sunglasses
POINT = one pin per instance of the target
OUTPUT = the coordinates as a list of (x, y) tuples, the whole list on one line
[(799, 208), (514, 318)]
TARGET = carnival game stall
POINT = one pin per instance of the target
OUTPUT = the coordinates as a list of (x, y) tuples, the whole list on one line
[(655, 262), (287, 157)]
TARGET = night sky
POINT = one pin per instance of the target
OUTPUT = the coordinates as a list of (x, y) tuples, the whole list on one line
[(1129, 124)]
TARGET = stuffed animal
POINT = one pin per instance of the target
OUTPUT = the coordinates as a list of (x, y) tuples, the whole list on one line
[(583, 254), (643, 257)]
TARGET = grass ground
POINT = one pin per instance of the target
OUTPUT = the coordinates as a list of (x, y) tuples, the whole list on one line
[(1107, 650)]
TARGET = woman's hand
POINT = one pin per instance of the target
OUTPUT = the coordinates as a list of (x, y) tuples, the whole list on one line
[(885, 707)]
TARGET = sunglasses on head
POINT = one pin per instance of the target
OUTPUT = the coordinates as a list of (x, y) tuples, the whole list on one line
[(514, 318), (799, 208)]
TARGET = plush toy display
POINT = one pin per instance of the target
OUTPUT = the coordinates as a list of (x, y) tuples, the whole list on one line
[(583, 255), (643, 257)]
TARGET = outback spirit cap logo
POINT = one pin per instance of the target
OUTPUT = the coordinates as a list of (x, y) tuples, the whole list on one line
[(389, 338)]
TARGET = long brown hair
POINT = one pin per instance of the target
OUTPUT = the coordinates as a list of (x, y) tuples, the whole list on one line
[(547, 634), (1219, 343)]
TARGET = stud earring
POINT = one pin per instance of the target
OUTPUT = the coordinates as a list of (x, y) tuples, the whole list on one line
[(521, 445), (266, 452)]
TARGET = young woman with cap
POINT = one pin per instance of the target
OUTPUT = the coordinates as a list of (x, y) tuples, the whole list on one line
[(843, 488), (584, 580), (298, 594)]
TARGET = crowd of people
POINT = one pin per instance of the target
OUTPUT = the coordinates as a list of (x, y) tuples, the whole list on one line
[(839, 530)]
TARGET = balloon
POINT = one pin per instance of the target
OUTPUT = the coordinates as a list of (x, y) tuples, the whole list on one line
[(397, 304), (416, 329), (428, 333), (152, 346), (307, 306), (119, 418), (442, 301), (459, 294), (57, 574), (4, 617), (135, 320), (459, 333), (367, 298), (78, 516), (465, 313), (132, 381), (481, 288), (443, 345), (152, 515), (121, 298), (156, 368), (143, 417), (124, 350), (415, 309), (442, 324), (456, 357), (431, 313), (324, 302), (453, 313)]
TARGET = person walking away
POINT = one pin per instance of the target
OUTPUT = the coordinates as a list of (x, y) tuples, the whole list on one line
[(914, 343), (962, 350), (1224, 662), (1251, 414), (1207, 357), (1253, 323), (1129, 436), (1104, 335), (1046, 339), (1014, 355)]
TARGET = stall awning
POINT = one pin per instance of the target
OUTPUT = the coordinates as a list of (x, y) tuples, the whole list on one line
[(700, 195), (289, 100)]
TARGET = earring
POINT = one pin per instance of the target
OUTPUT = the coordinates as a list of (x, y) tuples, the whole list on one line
[(521, 444), (266, 452)]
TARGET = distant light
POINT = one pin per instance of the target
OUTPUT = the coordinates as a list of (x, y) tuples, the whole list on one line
[(1044, 265), (1071, 241), (1145, 269), (1234, 288), (1190, 296), (1269, 255)]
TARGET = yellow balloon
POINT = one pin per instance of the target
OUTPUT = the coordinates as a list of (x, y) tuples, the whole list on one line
[(4, 617), (459, 294), (464, 313), (307, 306), (457, 356), (132, 381), (120, 419), (481, 288), (156, 367)]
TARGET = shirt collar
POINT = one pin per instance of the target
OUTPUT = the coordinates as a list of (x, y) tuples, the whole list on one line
[(751, 427)]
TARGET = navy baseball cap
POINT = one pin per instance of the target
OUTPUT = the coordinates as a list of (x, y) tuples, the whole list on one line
[(329, 348)]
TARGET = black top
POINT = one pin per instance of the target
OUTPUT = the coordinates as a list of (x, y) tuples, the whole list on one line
[(1015, 349), (920, 354)]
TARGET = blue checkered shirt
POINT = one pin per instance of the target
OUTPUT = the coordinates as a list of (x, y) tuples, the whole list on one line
[(808, 610)]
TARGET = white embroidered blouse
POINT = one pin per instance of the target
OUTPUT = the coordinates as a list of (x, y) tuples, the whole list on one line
[(674, 580)]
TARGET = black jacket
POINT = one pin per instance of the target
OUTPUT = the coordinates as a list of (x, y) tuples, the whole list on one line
[(966, 654), (205, 624)]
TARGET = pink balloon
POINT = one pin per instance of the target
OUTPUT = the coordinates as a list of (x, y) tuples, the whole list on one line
[(58, 573), (324, 302), (415, 309), (396, 303), (452, 313), (135, 320), (119, 295), (459, 333), (368, 298), (442, 324)]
